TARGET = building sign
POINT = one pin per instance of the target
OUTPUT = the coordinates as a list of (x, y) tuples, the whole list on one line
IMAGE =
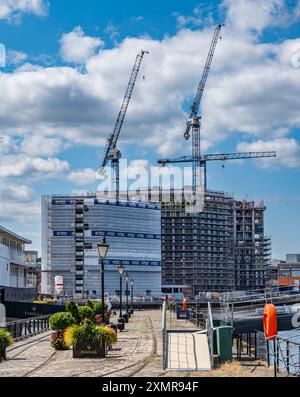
[(100, 233), (127, 204), (183, 315), (63, 234), (62, 202)]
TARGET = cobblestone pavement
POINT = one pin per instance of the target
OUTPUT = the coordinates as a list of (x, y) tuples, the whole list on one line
[(137, 353)]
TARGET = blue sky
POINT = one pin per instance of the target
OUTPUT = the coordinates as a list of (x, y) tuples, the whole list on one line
[(68, 64)]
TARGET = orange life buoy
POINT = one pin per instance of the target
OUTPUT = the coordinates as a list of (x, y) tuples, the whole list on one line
[(184, 304), (270, 322)]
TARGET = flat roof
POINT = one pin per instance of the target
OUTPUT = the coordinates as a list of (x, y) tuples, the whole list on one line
[(14, 235)]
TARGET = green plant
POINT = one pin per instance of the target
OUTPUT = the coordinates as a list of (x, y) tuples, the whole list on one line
[(98, 308), (88, 332), (57, 341), (85, 312), (73, 309), (91, 304), (61, 321), (5, 338)]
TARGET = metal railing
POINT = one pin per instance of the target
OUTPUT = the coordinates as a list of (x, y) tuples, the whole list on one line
[(23, 329), (204, 325), (283, 353)]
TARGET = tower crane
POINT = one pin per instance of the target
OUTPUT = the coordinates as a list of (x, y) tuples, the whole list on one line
[(194, 127), (112, 153), (194, 122)]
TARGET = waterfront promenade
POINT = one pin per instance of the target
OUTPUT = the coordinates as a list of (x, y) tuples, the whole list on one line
[(137, 353)]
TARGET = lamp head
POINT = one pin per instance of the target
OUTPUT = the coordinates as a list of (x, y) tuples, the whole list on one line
[(121, 269), (103, 248)]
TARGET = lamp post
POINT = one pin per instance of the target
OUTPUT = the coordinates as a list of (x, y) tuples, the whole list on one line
[(102, 252), (131, 298), (121, 269), (127, 291)]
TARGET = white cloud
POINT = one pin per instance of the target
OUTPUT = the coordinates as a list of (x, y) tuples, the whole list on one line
[(201, 15), (13, 10), (16, 57), (83, 177), (22, 193), (256, 15), (113, 33), (37, 167), (38, 145), (252, 91), (77, 48), (287, 149), (18, 204), (8, 145)]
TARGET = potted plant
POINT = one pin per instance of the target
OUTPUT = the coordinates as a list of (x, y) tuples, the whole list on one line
[(59, 322), (98, 312), (89, 340), (5, 341), (73, 309), (86, 312)]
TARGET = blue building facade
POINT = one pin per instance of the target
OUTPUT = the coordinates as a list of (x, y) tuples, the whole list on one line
[(72, 226)]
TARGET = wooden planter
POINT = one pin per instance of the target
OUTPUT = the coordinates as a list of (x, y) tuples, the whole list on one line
[(89, 350), (2, 352)]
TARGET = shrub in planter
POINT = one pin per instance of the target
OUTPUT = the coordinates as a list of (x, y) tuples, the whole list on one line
[(59, 322), (89, 340), (91, 304), (73, 309), (98, 311), (85, 312), (5, 341), (98, 308)]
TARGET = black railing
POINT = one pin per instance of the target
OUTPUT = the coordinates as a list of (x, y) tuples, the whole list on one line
[(139, 306), (23, 329), (250, 344), (283, 353)]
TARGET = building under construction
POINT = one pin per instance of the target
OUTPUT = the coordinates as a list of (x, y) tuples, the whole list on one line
[(252, 246), (221, 248)]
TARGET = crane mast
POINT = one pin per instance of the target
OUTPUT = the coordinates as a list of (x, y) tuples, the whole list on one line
[(194, 122), (112, 153), (202, 84)]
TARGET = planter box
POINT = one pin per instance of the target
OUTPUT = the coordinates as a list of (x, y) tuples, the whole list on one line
[(2, 352), (89, 350)]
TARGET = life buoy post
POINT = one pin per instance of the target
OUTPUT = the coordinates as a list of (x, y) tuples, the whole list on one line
[(184, 304), (270, 322)]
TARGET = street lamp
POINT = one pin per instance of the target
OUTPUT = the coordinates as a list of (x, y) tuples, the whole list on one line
[(131, 299), (127, 290), (102, 252), (121, 269)]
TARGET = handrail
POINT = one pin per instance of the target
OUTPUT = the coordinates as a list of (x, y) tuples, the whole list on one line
[(22, 329)]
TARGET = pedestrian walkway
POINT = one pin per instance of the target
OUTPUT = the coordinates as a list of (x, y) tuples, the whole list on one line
[(138, 353), (189, 352)]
